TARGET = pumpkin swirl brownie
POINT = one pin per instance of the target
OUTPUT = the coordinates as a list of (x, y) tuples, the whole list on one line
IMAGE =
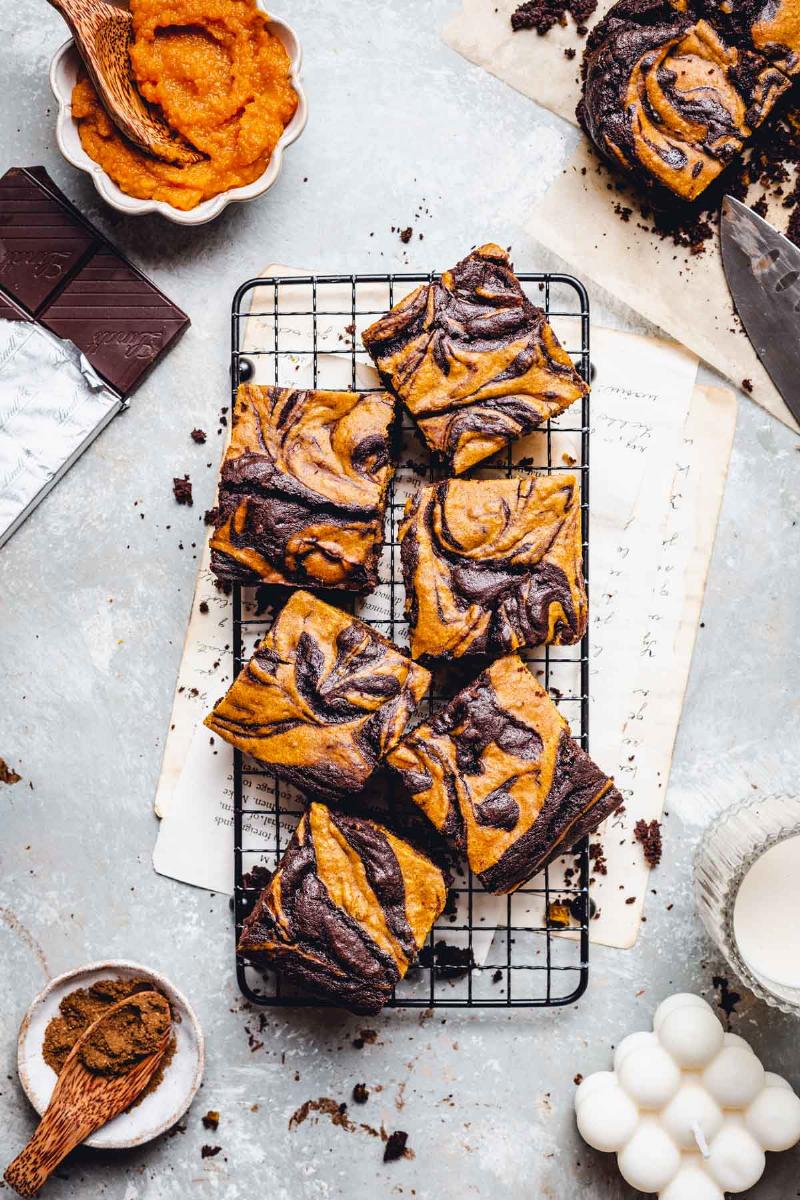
[(492, 565), (769, 27), (303, 488), (347, 910), (476, 363), (669, 97), (322, 700), (498, 772)]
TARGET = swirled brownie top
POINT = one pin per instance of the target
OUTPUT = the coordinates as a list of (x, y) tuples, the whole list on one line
[(492, 565), (770, 27), (347, 909), (668, 96), (303, 488), (474, 360), (323, 698), (498, 772)]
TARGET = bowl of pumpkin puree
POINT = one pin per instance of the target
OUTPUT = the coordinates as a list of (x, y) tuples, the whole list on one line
[(224, 74)]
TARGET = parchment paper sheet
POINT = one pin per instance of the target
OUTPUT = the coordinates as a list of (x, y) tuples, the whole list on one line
[(660, 450), (684, 295)]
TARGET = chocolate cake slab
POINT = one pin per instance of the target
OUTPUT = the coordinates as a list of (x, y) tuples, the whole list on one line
[(475, 362), (347, 909), (491, 565), (59, 269), (497, 771), (322, 700), (670, 97), (303, 489)]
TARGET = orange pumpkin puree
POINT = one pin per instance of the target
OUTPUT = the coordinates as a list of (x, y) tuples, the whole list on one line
[(220, 78)]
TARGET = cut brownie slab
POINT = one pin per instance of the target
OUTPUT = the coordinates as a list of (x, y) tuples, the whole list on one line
[(347, 910), (492, 565), (474, 360), (498, 772), (302, 494), (322, 700), (669, 97)]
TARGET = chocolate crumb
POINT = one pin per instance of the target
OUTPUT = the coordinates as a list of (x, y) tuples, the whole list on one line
[(7, 773), (203, 606), (569, 52), (728, 999), (648, 834), (396, 1146), (210, 516), (209, 1151), (542, 15), (210, 1120), (182, 490), (597, 857), (447, 961), (747, 386), (498, 975), (578, 1080), (361, 1093), (405, 235), (199, 436)]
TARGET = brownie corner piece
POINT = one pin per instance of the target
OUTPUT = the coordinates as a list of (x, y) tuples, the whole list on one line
[(474, 360), (303, 488), (347, 909), (492, 565), (322, 700), (498, 772)]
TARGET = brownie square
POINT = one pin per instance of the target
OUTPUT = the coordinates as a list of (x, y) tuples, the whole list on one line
[(669, 96), (497, 771), (303, 489), (492, 565), (322, 700), (347, 910), (476, 363)]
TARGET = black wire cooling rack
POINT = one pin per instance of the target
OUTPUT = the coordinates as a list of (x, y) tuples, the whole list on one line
[(491, 952)]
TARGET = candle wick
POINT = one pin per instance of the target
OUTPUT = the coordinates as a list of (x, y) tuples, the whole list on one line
[(699, 1137)]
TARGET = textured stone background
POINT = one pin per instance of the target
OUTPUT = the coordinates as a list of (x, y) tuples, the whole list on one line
[(95, 596)]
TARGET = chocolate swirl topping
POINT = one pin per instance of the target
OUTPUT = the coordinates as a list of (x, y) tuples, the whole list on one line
[(303, 489), (498, 773), (492, 565), (670, 96), (474, 360), (347, 910), (322, 700)]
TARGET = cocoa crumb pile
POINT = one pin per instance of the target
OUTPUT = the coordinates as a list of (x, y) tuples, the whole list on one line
[(648, 835), (542, 15)]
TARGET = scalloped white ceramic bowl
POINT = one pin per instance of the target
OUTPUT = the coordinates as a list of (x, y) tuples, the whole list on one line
[(63, 75)]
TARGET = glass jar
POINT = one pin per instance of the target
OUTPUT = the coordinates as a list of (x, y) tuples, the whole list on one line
[(728, 850)]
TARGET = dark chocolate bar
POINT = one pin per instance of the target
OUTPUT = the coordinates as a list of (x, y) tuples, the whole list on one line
[(60, 271)]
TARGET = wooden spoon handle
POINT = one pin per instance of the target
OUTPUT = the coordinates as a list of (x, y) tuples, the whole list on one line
[(58, 1132), (75, 12)]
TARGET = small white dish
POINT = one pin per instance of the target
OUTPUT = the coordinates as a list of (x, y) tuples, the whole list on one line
[(159, 1111), (63, 76)]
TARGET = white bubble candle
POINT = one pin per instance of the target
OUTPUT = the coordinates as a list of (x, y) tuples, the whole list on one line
[(688, 1109)]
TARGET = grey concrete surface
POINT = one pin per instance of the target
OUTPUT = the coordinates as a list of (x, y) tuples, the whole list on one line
[(95, 592)]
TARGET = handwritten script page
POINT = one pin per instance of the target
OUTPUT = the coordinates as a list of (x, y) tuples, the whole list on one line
[(684, 294), (659, 456)]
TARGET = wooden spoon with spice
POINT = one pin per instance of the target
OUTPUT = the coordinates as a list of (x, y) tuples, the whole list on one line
[(102, 33), (104, 1073)]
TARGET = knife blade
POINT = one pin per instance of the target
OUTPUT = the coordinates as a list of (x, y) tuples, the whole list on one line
[(762, 268)]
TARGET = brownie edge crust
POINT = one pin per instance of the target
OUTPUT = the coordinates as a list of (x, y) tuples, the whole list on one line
[(497, 771), (347, 910)]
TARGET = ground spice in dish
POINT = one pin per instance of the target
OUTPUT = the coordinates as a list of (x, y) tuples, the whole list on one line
[(122, 1041)]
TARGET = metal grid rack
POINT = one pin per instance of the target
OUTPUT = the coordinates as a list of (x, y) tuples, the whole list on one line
[(282, 331)]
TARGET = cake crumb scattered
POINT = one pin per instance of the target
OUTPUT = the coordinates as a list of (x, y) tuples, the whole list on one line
[(648, 835), (182, 490), (396, 1146), (211, 1120), (7, 773), (361, 1093), (199, 436)]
